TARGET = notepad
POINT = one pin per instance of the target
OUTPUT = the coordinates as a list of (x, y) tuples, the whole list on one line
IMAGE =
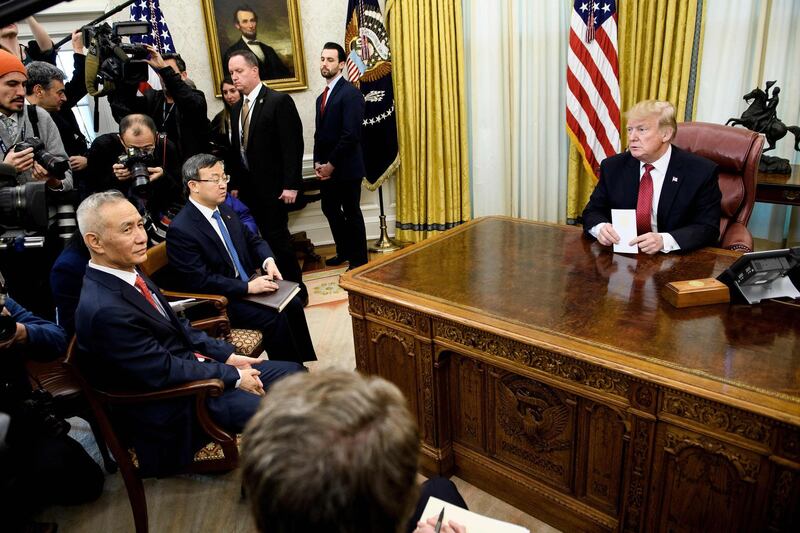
[(278, 299), (474, 522), (624, 222)]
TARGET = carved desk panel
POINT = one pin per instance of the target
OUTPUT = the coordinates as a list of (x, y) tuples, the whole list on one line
[(548, 371)]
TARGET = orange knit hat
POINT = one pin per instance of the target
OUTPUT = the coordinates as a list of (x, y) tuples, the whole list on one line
[(10, 63)]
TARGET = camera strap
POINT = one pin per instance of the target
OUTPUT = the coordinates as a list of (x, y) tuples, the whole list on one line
[(33, 117), (5, 149)]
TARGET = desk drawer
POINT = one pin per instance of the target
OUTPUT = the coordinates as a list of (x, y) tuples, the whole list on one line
[(778, 195)]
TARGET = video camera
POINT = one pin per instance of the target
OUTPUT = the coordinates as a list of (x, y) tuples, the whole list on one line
[(111, 60), (23, 210)]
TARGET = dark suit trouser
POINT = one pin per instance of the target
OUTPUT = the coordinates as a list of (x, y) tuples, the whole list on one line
[(341, 204), (236, 407), (273, 223), (286, 336), (438, 487)]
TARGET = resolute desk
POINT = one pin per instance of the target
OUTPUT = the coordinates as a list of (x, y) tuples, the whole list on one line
[(549, 371)]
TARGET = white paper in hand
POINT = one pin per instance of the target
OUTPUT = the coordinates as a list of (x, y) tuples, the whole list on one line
[(624, 222)]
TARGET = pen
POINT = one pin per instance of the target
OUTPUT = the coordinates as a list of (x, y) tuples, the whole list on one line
[(438, 527)]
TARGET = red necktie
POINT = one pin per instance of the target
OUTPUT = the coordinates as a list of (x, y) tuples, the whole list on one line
[(324, 101), (142, 286), (645, 203)]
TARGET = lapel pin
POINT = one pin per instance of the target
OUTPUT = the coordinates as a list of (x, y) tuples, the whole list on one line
[(674, 179)]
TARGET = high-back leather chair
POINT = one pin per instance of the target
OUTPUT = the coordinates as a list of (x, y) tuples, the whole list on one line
[(737, 152)]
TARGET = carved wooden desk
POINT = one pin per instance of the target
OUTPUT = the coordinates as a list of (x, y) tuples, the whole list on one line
[(548, 371)]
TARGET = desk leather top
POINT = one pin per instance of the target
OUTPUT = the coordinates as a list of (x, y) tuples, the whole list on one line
[(549, 283)]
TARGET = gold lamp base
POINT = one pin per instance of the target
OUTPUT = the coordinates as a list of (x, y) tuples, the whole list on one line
[(384, 244)]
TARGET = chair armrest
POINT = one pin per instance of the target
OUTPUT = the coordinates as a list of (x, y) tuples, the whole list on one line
[(220, 302), (211, 387), (737, 237)]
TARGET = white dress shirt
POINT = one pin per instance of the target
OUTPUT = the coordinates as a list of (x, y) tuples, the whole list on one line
[(658, 174), (250, 98), (254, 48), (332, 84), (208, 214)]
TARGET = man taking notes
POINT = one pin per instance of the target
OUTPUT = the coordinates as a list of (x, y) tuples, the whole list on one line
[(675, 194)]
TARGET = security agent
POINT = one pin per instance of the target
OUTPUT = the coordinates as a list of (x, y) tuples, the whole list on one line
[(179, 110)]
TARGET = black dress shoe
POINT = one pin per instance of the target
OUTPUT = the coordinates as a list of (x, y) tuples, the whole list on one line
[(335, 260)]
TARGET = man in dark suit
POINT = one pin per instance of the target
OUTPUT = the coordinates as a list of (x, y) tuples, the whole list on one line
[(270, 66), (131, 340), (676, 194), (212, 252), (338, 159), (268, 171)]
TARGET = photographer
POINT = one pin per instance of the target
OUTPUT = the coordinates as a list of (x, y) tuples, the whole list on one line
[(40, 49), (42, 465), (151, 176), (179, 110), (46, 89), (21, 128)]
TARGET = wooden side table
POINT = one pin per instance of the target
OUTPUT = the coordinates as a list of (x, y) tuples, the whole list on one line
[(783, 189)]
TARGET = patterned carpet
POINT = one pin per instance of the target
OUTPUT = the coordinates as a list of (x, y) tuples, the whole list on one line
[(323, 286)]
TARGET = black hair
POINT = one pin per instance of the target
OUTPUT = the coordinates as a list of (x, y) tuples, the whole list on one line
[(337, 47)]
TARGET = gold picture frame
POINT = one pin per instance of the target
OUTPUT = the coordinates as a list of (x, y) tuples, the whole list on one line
[(278, 27)]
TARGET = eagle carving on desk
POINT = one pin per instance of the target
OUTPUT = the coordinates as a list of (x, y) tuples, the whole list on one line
[(533, 411)]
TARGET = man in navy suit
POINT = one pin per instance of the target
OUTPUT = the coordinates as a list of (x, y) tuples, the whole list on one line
[(212, 252), (131, 340), (339, 160), (676, 194)]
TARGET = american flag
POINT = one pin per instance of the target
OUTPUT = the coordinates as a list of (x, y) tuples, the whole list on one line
[(355, 67), (593, 100), (149, 11)]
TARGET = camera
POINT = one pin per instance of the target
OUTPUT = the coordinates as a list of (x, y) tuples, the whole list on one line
[(23, 210), (137, 160), (55, 165), (118, 62)]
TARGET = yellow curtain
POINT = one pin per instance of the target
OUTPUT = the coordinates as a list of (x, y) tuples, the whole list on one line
[(428, 56), (656, 41)]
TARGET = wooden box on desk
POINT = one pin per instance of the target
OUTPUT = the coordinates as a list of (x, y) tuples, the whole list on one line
[(696, 292)]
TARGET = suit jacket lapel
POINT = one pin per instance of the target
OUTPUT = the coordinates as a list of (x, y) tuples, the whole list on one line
[(630, 187), (669, 189), (202, 224), (331, 97), (256, 113)]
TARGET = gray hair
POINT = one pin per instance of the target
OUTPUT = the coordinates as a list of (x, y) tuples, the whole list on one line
[(191, 168), (41, 73), (88, 214), (358, 465)]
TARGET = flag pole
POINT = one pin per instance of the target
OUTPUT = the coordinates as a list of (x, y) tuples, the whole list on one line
[(384, 244)]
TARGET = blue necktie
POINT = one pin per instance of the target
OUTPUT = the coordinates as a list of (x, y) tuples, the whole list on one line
[(229, 245)]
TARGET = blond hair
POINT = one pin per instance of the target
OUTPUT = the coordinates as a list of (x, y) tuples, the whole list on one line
[(664, 110)]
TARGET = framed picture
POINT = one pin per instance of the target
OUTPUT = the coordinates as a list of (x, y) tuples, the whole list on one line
[(271, 30)]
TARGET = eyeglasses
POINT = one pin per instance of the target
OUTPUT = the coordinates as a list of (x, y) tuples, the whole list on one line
[(218, 180)]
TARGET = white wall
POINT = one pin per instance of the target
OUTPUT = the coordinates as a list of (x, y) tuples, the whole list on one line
[(320, 21)]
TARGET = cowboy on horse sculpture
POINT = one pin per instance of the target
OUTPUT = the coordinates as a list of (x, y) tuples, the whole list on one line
[(761, 117)]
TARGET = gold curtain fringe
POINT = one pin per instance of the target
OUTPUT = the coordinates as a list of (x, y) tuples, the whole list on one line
[(385, 176)]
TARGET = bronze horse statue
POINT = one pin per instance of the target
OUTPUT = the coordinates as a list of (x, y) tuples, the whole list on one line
[(760, 117)]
